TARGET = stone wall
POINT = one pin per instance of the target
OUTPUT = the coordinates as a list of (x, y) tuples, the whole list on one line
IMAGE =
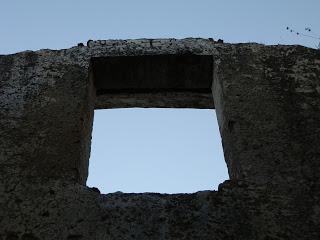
[(267, 100)]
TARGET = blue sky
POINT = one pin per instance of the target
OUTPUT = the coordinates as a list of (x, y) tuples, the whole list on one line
[(156, 150), (36, 24), (138, 150)]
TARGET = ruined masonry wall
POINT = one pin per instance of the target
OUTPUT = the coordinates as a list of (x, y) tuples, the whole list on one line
[(267, 100)]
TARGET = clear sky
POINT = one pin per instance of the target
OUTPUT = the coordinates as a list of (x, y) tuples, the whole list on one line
[(137, 150)]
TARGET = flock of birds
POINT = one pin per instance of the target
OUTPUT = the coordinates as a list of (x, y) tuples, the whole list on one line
[(307, 34)]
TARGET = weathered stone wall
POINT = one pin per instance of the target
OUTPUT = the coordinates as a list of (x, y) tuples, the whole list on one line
[(267, 100)]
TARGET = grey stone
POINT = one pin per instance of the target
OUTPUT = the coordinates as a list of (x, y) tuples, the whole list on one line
[(267, 102)]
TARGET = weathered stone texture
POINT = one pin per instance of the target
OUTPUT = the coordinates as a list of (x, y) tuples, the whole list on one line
[(267, 100), (269, 111), (38, 140)]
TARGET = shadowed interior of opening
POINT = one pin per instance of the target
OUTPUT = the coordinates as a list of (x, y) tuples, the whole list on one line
[(156, 150), (165, 81)]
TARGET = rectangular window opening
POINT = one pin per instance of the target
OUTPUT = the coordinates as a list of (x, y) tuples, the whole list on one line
[(156, 150)]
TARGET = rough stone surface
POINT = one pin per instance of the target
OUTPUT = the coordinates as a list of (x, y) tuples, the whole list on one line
[(267, 100)]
